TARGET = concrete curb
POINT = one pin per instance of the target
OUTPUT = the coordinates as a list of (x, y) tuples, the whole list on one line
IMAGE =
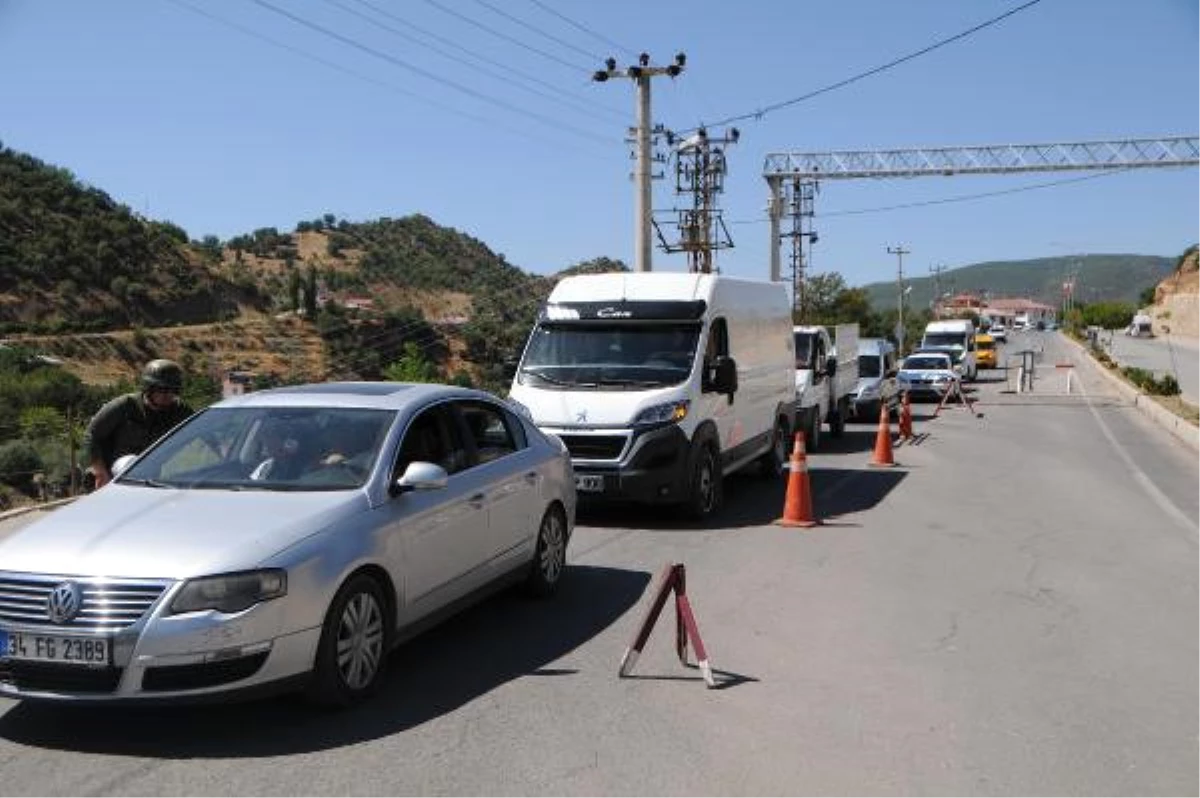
[(33, 508), (1161, 416)]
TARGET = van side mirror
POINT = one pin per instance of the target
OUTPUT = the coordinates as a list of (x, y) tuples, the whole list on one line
[(831, 366), (723, 378)]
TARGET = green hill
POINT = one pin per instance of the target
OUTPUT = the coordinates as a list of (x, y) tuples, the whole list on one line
[(1100, 278)]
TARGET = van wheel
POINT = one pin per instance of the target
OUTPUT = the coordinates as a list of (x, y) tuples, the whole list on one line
[(837, 422), (773, 460), (705, 498)]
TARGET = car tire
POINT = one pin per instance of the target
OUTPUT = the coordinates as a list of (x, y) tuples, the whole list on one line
[(550, 554), (772, 461), (837, 421), (353, 648), (705, 489)]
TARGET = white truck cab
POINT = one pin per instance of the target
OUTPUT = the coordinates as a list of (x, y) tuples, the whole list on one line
[(826, 377), (661, 383)]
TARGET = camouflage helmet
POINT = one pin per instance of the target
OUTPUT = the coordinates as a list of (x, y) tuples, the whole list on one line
[(165, 374)]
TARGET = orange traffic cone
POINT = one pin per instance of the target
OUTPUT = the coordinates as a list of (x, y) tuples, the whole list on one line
[(906, 430), (797, 507), (883, 441)]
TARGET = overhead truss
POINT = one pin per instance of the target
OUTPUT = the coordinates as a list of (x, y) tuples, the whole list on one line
[(990, 159)]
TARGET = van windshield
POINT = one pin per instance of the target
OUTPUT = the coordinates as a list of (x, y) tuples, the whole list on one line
[(944, 339), (868, 365), (622, 356)]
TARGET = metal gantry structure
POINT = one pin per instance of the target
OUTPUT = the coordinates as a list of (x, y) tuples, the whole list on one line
[(700, 167), (790, 171)]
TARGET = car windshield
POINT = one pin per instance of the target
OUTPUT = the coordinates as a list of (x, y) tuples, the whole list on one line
[(621, 356), (267, 448), (926, 363), (868, 365)]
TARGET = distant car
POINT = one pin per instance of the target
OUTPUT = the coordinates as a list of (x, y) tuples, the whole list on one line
[(998, 332), (926, 375), (985, 351), (284, 537)]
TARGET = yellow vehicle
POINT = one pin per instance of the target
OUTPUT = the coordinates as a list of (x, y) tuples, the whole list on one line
[(985, 351)]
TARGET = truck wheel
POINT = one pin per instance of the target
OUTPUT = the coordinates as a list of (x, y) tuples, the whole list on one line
[(705, 497), (837, 421), (773, 460), (812, 433)]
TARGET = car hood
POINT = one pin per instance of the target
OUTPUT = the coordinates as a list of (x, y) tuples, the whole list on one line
[(926, 374), (129, 531)]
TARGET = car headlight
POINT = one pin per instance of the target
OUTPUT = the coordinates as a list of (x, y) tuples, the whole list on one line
[(662, 414), (230, 592)]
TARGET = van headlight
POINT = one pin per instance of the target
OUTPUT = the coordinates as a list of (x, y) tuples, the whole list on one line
[(230, 592), (869, 392), (668, 413)]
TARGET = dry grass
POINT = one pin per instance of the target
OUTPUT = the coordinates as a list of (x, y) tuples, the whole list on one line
[(1180, 407)]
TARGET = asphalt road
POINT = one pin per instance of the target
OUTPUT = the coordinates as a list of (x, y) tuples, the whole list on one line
[(1010, 610)]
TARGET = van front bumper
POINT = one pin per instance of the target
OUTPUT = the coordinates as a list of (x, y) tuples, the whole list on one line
[(655, 470)]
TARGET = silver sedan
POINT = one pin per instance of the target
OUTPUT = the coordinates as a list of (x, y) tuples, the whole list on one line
[(285, 538)]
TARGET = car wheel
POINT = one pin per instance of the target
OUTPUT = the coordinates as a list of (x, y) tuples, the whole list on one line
[(550, 556), (837, 422), (773, 460), (705, 498), (353, 648)]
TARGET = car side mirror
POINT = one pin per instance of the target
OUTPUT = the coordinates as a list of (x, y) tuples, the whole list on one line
[(420, 476), (122, 464)]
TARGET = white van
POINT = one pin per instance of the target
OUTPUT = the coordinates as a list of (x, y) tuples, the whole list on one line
[(955, 337), (661, 383)]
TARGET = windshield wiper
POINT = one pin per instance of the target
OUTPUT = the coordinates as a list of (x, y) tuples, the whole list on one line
[(625, 382), (541, 375), (148, 483)]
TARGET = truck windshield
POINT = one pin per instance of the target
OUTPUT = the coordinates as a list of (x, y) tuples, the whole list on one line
[(804, 349), (622, 356)]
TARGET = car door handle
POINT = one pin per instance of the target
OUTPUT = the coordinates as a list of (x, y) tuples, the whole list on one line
[(476, 501), (531, 477)]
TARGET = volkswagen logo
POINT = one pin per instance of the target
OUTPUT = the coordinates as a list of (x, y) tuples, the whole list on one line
[(64, 602)]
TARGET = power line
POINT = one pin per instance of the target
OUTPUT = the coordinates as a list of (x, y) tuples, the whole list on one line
[(581, 27), (506, 37), (760, 113), (545, 120), (491, 123), (467, 52), (537, 30), (949, 200)]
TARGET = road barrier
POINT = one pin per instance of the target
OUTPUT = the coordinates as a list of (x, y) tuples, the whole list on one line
[(673, 578), (882, 457), (797, 504), (955, 388)]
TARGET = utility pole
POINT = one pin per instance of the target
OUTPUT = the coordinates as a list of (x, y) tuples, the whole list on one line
[(641, 74), (700, 171), (800, 204), (936, 271), (899, 252)]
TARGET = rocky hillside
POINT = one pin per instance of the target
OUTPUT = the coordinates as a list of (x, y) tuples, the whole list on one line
[(1176, 308)]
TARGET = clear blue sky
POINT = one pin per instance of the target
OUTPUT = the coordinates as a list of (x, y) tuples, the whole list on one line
[(214, 126)]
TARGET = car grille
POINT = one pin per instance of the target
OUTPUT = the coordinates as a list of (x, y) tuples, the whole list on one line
[(39, 676), (204, 674), (108, 605), (594, 447)]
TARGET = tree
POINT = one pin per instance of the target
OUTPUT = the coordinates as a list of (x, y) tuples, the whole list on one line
[(411, 367)]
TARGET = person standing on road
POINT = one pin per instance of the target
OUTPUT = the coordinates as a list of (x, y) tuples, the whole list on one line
[(133, 421)]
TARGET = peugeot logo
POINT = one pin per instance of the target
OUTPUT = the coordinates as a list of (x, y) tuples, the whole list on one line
[(64, 602), (580, 416)]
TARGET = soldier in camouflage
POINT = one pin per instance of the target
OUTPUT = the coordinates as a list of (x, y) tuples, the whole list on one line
[(130, 423)]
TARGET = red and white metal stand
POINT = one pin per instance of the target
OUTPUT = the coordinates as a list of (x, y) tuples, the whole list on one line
[(673, 578)]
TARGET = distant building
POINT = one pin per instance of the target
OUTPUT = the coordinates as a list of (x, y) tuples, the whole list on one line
[(1008, 309), (237, 383)]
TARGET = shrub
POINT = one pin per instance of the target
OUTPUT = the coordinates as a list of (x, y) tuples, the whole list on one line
[(19, 461)]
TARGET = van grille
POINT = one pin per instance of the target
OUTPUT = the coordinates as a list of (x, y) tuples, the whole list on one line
[(108, 605), (594, 447)]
